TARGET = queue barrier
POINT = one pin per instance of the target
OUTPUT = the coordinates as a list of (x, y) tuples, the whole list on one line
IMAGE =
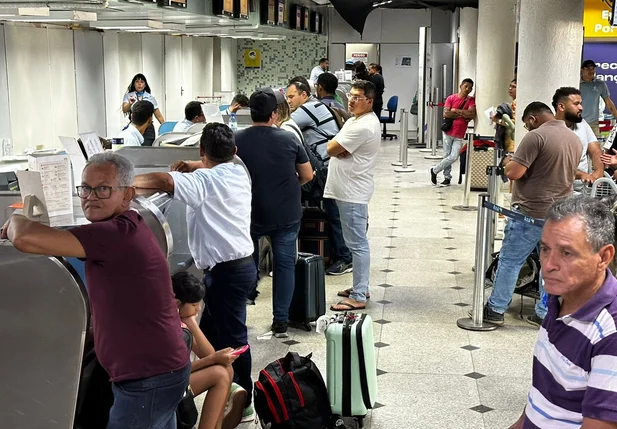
[(403, 166), (483, 229)]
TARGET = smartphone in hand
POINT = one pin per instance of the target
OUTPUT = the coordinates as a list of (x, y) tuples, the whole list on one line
[(240, 350)]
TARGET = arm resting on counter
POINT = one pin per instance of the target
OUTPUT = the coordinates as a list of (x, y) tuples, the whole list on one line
[(162, 181), (33, 237)]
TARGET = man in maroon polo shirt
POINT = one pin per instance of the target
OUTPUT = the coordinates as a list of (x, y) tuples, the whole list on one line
[(137, 333)]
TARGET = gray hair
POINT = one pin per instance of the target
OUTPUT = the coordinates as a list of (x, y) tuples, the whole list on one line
[(125, 172), (596, 214)]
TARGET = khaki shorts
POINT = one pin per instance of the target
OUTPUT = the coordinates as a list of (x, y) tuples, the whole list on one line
[(595, 127)]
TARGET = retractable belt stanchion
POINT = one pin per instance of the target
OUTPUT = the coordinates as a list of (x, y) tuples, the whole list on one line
[(465, 207), (433, 134), (476, 322), (402, 116), (405, 167), (494, 173)]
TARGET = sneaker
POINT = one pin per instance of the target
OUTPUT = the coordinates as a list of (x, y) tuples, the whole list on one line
[(534, 320), (490, 316), (280, 329), (433, 177), (340, 268), (445, 183), (234, 410), (248, 415)]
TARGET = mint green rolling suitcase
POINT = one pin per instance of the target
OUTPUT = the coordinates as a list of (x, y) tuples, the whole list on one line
[(351, 372)]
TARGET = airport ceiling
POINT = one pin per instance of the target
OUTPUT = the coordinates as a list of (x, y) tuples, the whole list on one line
[(355, 12)]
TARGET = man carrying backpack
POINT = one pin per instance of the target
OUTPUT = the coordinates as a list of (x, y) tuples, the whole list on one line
[(318, 123)]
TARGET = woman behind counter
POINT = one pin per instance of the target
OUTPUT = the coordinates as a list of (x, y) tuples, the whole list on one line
[(140, 90)]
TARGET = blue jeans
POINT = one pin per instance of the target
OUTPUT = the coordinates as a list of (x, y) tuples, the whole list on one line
[(354, 219), (340, 250), (451, 148), (284, 252), (223, 321), (149, 403), (519, 240)]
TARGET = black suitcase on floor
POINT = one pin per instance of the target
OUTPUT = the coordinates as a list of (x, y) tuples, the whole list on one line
[(309, 299)]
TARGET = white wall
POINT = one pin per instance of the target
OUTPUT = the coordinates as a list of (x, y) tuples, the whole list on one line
[(229, 69), (90, 82), (393, 75), (5, 117)]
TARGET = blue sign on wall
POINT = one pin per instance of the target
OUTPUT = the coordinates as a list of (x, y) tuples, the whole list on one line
[(605, 56)]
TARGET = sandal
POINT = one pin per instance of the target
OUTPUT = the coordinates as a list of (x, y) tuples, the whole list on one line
[(348, 306), (347, 292)]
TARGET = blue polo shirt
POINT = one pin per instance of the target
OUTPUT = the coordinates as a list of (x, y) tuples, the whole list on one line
[(575, 364)]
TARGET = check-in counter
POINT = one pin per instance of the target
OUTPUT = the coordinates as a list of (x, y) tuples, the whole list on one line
[(44, 311)]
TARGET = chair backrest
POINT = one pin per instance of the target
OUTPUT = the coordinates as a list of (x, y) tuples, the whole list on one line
[(167, 127), (196, 128), (393, 103)]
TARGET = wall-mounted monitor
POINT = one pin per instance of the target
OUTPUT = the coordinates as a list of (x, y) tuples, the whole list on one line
[(280, 17), (172, 3), (306, 19), (241, 9), (295, 17), (268, 12)]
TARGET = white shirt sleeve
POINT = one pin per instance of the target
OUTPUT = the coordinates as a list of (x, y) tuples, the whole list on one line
[(126, 97), (352, 136), (190, 188), (591, 137), (152, 100)]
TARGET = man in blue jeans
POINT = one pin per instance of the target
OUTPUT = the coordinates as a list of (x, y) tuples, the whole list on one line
[(353, 154), (218, 193), (278, 166), (543, 170)]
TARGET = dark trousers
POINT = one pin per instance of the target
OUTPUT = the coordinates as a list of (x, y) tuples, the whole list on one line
[(378, 107), (340, 251), (223, 320), (149, 136), (284, 249)]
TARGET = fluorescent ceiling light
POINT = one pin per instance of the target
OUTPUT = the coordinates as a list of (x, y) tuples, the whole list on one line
[(129, 25), (381, 3)]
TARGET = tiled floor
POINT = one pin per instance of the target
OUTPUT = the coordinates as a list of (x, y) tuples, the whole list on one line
[(432, 374)]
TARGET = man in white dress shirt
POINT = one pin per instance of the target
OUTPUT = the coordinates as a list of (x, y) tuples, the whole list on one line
[(317, 70), (141, 119), (218, 195), (193, 114)]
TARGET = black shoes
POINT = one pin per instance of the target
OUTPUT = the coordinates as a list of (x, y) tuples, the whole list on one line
[(433, 177), (534, 320), (490, 316), (279, 329), (445, 183)]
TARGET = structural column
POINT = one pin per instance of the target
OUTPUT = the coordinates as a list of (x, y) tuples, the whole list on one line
[(550, 50), (495, 58), (468, 44)]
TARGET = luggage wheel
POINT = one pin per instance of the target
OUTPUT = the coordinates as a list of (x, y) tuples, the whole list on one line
[(339, 423), (308, 327)]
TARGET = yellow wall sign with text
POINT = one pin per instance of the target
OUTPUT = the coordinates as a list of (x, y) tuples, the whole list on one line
[(596, 20), (252, 58)]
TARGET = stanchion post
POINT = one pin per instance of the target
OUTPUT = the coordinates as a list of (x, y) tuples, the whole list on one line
[(467, 192), (476, 322), (429, 124), (405, 166), (433, 124), (403, 116)]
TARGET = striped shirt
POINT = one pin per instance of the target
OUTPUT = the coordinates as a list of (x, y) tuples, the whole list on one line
[(575, 364)]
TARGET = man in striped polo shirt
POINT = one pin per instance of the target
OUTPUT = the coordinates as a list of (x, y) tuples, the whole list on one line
[(575, 358)]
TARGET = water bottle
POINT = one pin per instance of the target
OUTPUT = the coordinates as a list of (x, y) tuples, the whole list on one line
[(233, 122)]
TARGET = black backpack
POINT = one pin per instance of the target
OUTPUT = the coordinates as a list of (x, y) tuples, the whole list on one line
[(291, 394), (528, 278)]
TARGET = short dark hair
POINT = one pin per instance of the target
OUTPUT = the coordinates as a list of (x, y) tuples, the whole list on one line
[(217, 142), (563, 93), (376, 67), (192, 110), (467, 80), (301, 86), (241, 99), (535, 108), (368, 87), (300, 79), (260, 118), (323, 60), (141, 112), (328, 81), (188, 289)]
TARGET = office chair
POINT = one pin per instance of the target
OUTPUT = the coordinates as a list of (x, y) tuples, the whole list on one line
[(167, 127), (391, 118)]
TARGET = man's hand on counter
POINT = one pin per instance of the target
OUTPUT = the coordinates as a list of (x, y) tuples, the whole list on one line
[(161, 181), (186, 166)]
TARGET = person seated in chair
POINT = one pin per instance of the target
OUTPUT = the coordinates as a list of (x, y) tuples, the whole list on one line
[(141, 119), (239, 102), (193, 114)]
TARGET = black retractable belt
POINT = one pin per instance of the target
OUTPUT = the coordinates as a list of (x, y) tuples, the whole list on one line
[(346, 393), (514, 215), (366, 396)]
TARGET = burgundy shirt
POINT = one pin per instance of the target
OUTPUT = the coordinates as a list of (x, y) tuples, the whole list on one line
[(137, 331)]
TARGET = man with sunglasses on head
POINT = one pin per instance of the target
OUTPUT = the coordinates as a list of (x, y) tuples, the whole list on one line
[(543, 169), (137, 330)]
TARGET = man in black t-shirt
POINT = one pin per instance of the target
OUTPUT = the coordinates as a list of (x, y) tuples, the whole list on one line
[(374, 71), (278, 166)]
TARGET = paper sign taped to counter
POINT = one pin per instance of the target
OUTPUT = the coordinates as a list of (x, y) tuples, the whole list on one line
[(56, 178), (78, 161)]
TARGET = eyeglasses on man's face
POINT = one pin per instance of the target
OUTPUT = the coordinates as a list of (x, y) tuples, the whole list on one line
[(101, 192), (355, 98)]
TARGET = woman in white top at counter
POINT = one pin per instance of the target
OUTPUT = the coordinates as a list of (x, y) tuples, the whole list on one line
[(140, 90)]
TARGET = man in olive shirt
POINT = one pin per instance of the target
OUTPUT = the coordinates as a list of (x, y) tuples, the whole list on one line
[(543, 170)]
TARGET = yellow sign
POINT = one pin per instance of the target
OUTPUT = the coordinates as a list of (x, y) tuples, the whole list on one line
[(252, 58), (596, 20)]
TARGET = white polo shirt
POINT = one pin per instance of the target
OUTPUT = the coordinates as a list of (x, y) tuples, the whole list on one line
[(131, 136), (182, 126), (585, 135), (350, 179), (218, 214), (317, 70)]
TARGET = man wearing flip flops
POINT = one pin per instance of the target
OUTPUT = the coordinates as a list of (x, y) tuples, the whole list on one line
[(353, 153)]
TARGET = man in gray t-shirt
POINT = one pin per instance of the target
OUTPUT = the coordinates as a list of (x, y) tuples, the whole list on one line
[(591, 90)]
